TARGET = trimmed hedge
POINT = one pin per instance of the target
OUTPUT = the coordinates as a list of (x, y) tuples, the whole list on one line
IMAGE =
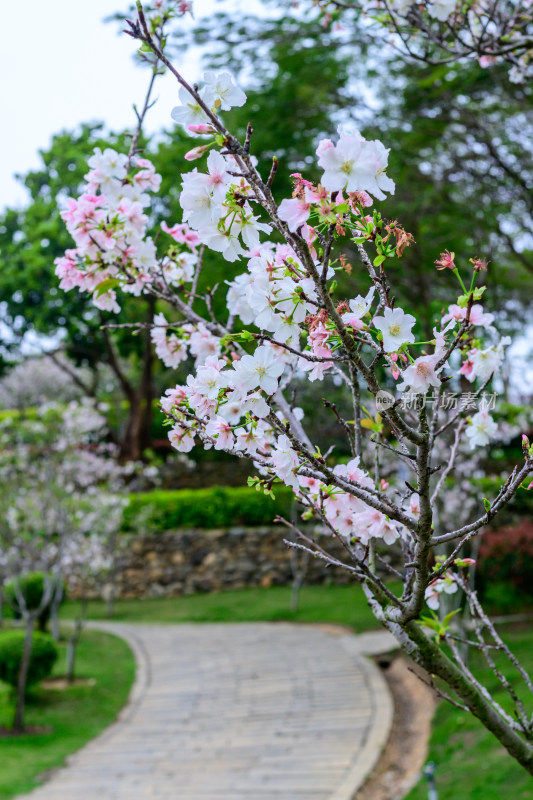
[(42, 659), (32, 587), (216, 507)]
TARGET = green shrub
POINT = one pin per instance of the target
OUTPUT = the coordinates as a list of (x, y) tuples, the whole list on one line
[(216, 507), (32, 587), (43, 657)]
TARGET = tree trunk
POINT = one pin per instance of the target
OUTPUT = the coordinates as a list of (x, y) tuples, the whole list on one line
[(74, 639), (137, 434), (110, 600), (295, 593), (132, 441), (18, 720), (54, 610), (430, 656), (299, 565), (71, 656)]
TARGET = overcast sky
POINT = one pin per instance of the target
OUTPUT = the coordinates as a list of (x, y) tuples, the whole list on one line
[(61, 65)]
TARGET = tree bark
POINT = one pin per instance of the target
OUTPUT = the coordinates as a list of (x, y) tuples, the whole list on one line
[(18, 719), (54, 610), (136, 437), (430, 656), (74, 638)]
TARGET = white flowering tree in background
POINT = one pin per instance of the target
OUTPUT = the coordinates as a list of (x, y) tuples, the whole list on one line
[(87, 560), (286, 324), (60, 512), (35, 381), (444, 31)]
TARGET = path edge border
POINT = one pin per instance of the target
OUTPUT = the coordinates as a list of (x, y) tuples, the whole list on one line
[(143, 673), (378, 734)]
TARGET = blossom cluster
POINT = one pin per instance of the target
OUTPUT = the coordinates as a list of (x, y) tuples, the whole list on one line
[(108, 225)]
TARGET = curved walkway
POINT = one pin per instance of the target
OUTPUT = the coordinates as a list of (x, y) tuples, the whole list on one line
[(236, 712)]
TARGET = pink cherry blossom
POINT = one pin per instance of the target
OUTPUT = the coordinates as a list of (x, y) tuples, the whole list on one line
[(294, 212), (372, 524), (220, 430)]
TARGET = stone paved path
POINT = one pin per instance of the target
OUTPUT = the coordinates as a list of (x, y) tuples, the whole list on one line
[(236, 712)]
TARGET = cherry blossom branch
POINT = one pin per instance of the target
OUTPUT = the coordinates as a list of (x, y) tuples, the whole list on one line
[(504, 497), (478, 612)]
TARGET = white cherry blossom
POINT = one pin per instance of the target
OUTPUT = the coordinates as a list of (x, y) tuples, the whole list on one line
[(223, 88), (190, 112), (481, 429), (261, 370), (396, 327), (354, 164), (422, 375), (441, 9)]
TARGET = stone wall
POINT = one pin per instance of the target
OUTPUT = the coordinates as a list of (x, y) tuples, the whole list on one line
[(197, 560)]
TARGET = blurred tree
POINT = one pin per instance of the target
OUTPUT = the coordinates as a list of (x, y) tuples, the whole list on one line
[(460, 136), (462, 159)]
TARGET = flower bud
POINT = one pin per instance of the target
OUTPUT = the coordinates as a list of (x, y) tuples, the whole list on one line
[(464, 562), (203, 128), (196, 152)]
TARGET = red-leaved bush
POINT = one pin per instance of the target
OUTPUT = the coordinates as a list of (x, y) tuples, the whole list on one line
[(506, 556)]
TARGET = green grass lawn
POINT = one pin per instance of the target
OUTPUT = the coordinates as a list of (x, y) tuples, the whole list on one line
[(344, 605), (74, 715), (471, 765)]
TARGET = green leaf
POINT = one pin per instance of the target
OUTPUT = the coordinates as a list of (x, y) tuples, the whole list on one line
[(368, 423), (449, 617), (379, 260), (105, 286), (433, 624)]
